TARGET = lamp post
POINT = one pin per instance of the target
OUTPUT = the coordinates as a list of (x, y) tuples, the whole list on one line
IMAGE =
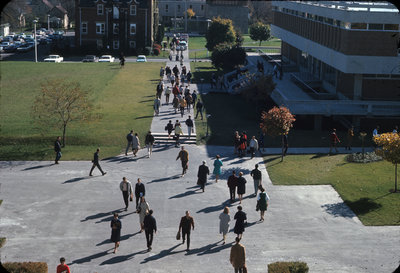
[(207, 116), (48, 23), (34, 24)]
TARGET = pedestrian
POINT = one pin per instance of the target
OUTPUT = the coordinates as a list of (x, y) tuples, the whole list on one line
[(189, 77), (189, 100), (156, 106), (150, 228), (96, 163), (169, 128), (202, 175), (236, 142), (122, 60), (172, 79), (182, 105), (167, 94), (135, 144), (126, 188), (232, 184), (189, 124), (140, 191), (175, 90), (217, 167), (241, 186), (116, 226), (162, 72), (186, 224), (395, 130), (224, 219), (199, 108), (129, 138), (175, 103), (375, 133), (184, 156), (333, 141), (285, 143), (261, 140), (240, 218), (262, 202), (142, 210), (238, 257), (149, 141), (243, 144), (63, 267), (170, 56), (178, 133), (175, 70), (57, 149), (160, 89), (213, 80), (194, 99), (350, 136), (253, 146), (256, 174)]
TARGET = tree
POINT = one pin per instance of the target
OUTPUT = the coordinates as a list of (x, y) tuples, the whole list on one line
[(277, 122), (259, 32), (390, 143), (259, 89), (239, 38), (59, 103), (190, 13), (220, 31), (226, 57)]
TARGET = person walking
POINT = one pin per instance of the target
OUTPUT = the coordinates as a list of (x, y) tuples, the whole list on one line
[(241, 186), (253, 146), (162, 72), (184, 156), (116, 226), (135, 144), (350, 136), (202, 175), (178, 132), (333, 141), (57, 149), (189, 124), (224, 219), (140, 191), (232, 184), (217, 168), (142, 210), (129, 138), (126, 188), (96, 163), (256, 174), (186, 224), (175, 103), (149, 141), (150, 228), (240, 218), (285, 143), (236, 142), (156, 106), (189, 77), (238, 256), (63, 267), (243, 144), (167, 94), (182, 105), (169, 128), (262, 202), (199, 109)]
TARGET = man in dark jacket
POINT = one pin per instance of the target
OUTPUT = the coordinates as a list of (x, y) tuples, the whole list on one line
[(150, 227), (202, 175), (129, 138), (199, 108), (139, 191), (256, 174), (57, 149), (185, 225), (232, 184), (149, 141), (96, 163), (189, 124)]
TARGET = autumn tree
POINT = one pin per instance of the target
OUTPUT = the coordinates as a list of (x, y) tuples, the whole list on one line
[(259, 89), (390, 151), (227, 57), (60, 103), (220, 31), (277, 122), (259, 32), (190, 13)]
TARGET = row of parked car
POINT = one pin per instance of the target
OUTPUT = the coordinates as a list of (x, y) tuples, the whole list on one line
[(91, 59)]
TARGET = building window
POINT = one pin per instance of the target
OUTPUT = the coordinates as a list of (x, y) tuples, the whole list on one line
[(391, 27), (329, 74), (115, 28), (375, 26), (132, 44), (166, 8), (84, 28), (100, 9), (132, 29), (115, 44), (358, 26), (115, 12), (100, 28), (202, 7), (190, 7), (132, 10), (99, 44), (179, 8)]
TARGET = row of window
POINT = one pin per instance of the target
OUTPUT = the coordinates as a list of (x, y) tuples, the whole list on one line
[(178, 8), (100, 10), (115, 45), (338, 23), (100, 28)]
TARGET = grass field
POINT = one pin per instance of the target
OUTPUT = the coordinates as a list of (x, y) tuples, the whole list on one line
[(123, 98), (363, 187)]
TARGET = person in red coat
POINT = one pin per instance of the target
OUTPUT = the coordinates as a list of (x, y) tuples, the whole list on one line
[(334, 140)]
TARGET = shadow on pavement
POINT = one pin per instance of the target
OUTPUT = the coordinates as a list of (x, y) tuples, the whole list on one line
[(101, 214), (352, 208), (37, 167), (123, 237), (184, 194), (91, 257), (162, 254), (220, 207), (209, 249), (110, 217), (165, 179), (76, 179), (120, 259)]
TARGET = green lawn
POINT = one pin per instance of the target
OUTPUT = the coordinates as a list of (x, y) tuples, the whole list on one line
[(122, 98), (363, 187)]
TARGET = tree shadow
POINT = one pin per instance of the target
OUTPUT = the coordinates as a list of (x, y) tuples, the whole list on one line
[(165, 179), (363, 206), (265, 161), (338, 210), (37, 167), (123, 159), (180, 195), (123, 258), (162, 254), (142, 117), (101, 215), (76, 179), (146, 100), (382, 196), (220, 207), (209, 249), (316, 156), (91, 257)]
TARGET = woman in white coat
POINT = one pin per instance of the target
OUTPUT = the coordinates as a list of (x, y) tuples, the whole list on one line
[(142, 210), (224, 219)]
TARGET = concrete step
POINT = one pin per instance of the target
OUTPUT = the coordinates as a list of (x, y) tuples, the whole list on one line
[(165, 135)]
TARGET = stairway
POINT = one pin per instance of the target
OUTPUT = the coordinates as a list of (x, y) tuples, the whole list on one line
[(162, 138)]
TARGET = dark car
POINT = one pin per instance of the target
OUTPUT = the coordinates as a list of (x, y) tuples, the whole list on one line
[(25, 48), (90, 59), (10, 48)]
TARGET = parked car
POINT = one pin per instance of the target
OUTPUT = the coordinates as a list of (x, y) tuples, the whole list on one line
[(25, 48), (141, 59), (90, 59), (106, 59), (54, 59), (10, 48)]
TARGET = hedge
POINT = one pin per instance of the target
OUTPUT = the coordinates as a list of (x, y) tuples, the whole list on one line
[(26, 267), (288, 267)]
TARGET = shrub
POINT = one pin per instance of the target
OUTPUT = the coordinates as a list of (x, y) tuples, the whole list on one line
[(367, 158), (157, 46), (26, 267), (288, 267), (156, 51)]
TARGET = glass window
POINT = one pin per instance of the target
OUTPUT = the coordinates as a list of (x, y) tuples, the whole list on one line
[(328, 21), (320, 18), (132, 29), (100, 9), (391, 27), (345, 25), (179, 8), (190, 7), (115, 12), (100, 28), (115, 28), (132, 10), (166, 8), (99, 44), (358, 26), (202, 7), (116, 44), (84, 27), (132, 44), (375, 26)]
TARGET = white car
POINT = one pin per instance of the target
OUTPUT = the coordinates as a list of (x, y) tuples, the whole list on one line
[(141, 59), (54, 59), (107, 58)]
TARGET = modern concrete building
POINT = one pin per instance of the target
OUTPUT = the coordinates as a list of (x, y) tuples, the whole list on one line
[(344, 55), (119, 26)]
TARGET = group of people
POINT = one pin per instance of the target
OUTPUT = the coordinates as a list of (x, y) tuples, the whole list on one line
[(240, 144), (134, 143)]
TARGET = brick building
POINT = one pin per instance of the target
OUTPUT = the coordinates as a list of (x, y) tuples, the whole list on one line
[(115, 25)]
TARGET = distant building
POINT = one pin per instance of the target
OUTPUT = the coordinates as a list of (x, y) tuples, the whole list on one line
[(58, 14), (345, 55), (4, 29), (237, 11), (119, 26)]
